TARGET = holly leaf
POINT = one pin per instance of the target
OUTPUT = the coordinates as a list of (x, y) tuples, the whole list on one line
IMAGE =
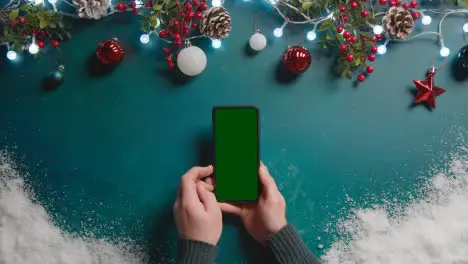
[(307, 5), (13, 14), (42, 23), (325, 25)]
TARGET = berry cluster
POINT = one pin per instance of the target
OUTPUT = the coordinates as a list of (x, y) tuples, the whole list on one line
[(26, 30), (412, 4), (122, 6), (179, 25)]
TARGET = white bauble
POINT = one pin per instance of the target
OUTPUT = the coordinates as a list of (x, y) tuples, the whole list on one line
[(257, 41), (191, 61)]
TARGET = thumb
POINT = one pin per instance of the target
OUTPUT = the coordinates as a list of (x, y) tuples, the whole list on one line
[(207, 198)]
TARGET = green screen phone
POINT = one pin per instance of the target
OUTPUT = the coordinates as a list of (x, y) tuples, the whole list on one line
[(236, 149)]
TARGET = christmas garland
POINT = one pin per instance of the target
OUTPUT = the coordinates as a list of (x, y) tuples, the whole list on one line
[(354, 27)]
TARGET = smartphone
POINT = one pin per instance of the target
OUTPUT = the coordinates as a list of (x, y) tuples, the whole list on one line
[(236, 154)]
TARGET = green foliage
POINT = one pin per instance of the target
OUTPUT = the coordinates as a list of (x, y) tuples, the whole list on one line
[(463, 2)]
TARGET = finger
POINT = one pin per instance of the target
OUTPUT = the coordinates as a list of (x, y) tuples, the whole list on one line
[(230, 208), (268, 183), (205, 185), (189, 180), (197, 173), (209, 180), (207, 198)]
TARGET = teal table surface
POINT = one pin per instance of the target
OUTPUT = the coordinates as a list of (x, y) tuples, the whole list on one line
[(105, 152)]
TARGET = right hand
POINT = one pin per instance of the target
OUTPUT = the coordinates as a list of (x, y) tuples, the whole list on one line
[(268, 216)]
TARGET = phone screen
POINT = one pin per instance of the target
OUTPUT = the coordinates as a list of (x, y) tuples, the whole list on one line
[(236, 141)]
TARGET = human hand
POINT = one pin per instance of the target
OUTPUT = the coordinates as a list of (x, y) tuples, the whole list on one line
[(197, 214), (268, 216)]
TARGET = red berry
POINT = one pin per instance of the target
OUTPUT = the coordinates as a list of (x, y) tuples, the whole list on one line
[(383, 2), (379, 37), (186, 27), (188, 7), (176, 36), (342, 9), (175, 23), (169, 33), (392, 3), (148, 4), (346, 34), (178, 43), (176, 54), (198, 15), (364, 13), (339, 29), (162, 34), (363, 39), (374, 49), (370, 69), (121, 6), (55, 43), (373, 39), (34, 32), (132, 4), (135, 11), (413, 4), (177, 3), (195, 3), (171, 65), (40, 44), (24, 34), (343, 47), (344, 19), (203, 6), (406, 6), (353, 39), (167, 50), (168, 59), (190, 14), (186, 32), (354, 4), (194, 25), (398, 2), (21, 20), (371, 57), (349, 57), (415, 15), (361, 77)]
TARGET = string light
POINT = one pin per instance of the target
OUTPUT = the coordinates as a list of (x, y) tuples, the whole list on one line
[(38, 2), (216, 3), (11, 55), (216, 43), (278, 32), (53, 2), (311, 35), (382, 49), (465, 27), (139, 3), (144, 38), (377, 29), (426, 20), (33, 48), (273, 2), (444, 51)]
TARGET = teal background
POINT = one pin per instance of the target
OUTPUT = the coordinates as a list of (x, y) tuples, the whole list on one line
[(236, 156), (105, 152)]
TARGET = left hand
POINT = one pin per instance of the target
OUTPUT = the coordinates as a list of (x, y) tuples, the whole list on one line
[(197, 214)]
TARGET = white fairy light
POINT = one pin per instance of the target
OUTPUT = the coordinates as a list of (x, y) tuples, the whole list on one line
[(33, 48), (382, 49), (216, 3), (426, 20), (311, 35), (273, 2), (139, 3), (11, 55), (465, 27), (216, 43), (144, 38), (444, 51), (38, 2), (377, 29), (53, 2), (278, 32)]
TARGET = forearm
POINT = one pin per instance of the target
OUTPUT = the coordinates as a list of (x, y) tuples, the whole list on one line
[(195, 252), (288, 248)]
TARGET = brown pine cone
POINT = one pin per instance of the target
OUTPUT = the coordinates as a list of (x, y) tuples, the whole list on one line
[(216, 23), (398, 23)]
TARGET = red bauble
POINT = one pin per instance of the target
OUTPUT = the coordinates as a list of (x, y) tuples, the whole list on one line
[(342, 9), (121, 6), (371, 57), (374, 49), (343, 47), (370, 69), (297, 59), (354, 4), (132, 4), (427, 90), (406, 6), (346, 34), (349, 57), (413, 4), (383, 2), (364, 13), (339, 29), (40, 44), (110, 52), (361, 77), (415, 15), (55, 43)]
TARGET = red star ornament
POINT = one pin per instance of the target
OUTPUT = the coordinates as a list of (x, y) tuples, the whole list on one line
[(427, 90)]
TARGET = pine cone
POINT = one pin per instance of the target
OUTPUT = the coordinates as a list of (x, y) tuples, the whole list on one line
[(398, 23), (91, 9), (216, 23)]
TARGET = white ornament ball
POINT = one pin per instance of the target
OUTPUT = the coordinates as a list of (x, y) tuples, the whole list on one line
[(191, 61), (257, 41)]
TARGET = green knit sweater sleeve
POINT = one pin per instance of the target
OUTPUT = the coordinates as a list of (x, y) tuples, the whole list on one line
[(195, 252), (288, 248)]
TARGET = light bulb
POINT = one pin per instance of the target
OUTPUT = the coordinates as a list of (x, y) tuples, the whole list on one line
[(216, 3), (465, 27), (53, 2), (38, 2), (426, 20), (273, 2), (11, 55), (377, 29), (144, 38), (216, 43), (139, 3), (278, 32), (444, 51), (311, 35), (33, 48), (382, 49)]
